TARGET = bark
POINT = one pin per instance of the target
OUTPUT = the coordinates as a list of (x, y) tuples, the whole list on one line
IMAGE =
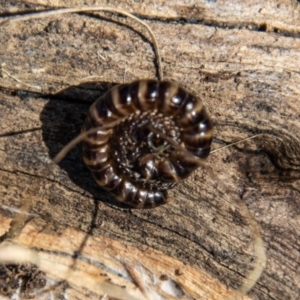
[(242, 59)]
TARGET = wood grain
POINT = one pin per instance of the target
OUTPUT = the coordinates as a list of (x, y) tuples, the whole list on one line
[(241, 58)]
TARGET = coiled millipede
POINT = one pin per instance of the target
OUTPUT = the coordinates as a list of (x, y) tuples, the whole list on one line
[(132, 161)]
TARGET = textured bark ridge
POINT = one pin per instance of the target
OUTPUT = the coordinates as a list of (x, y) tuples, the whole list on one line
[(242, 59)]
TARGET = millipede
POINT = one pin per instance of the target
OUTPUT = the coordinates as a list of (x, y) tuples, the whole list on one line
[(143, 138), (134, 163)]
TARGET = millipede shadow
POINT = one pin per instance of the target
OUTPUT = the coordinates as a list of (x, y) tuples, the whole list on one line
[(62, 119)]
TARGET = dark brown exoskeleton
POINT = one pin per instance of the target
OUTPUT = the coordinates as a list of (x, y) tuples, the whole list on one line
[(154, 135)]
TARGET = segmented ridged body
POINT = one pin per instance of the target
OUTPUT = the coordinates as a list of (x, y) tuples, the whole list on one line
[(127, 157)]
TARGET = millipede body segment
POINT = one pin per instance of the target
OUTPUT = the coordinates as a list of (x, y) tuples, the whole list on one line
[(152, 134)]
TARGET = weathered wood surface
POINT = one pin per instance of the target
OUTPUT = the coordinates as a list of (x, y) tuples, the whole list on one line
[(241, 58)]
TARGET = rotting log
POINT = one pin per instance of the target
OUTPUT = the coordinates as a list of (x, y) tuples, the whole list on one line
[(242, 59)]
